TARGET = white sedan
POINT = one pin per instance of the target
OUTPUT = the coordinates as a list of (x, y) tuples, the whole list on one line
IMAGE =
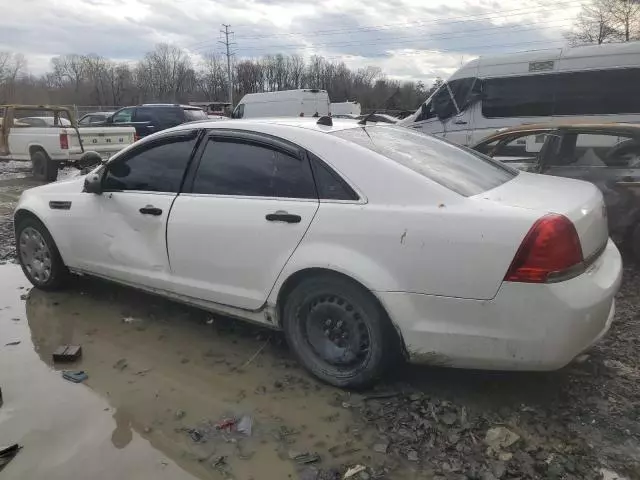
[(361, 242)]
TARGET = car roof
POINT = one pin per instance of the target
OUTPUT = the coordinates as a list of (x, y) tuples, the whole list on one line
[(307, 123), (612, 127), (165, 105)]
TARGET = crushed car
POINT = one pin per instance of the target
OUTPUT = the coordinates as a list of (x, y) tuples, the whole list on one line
[(607, 155)]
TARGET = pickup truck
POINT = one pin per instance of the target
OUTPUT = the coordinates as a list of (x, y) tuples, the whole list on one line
[(48, 137)]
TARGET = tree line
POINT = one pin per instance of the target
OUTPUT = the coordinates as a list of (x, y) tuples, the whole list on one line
[(169, 74), (606, 21)]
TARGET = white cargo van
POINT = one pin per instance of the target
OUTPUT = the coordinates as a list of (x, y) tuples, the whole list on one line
[(285, 103), (598, 83), (345, 108)]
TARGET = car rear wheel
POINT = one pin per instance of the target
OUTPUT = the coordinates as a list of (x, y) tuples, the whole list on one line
[(44, 169), (38, 255), (338, 331)]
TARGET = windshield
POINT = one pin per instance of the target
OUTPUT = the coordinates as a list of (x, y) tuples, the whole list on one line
[(192, 114), (459, 169)]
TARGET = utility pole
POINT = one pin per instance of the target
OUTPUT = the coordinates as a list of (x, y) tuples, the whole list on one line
[(227, 44)]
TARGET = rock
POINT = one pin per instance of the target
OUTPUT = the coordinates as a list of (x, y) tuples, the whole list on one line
[(412, 456), (505, 456), (179, 414), (555, 470), (499, 469), (381, 446), (498, 438), (120, 364), (309, 473), (449, 418)]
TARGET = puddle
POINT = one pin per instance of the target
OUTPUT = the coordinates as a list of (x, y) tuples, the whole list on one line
[(150, 379)]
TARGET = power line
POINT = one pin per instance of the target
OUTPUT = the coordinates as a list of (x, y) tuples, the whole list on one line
[(416, 39), (497, 14)]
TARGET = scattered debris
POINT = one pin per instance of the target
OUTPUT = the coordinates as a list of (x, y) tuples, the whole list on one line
[(304, 458), (245, 425), (354, 471), (75, 376), (379, 396), (11, 344), (130, 320), (67, 353), (143, 372), (8, 453), (381, 447), (412, 456), (121, 364), (184, 360), (24, 296), (15, 319), (179, 414), (226, 424), (195, 434), (210, 321), (498, 438), (248, 362), (309, 473)]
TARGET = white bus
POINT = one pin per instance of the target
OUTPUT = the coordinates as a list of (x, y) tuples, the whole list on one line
[(598, 83)]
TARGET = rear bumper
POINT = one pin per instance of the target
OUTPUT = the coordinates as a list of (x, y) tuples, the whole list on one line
[(524, 327)]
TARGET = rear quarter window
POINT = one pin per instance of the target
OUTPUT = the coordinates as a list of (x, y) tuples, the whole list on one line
[(458, 168)]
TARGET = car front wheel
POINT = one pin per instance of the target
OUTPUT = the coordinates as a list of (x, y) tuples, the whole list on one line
[(39, 256), (338, 331)]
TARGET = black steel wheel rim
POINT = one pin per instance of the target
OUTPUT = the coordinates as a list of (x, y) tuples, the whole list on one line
[(336, 331)]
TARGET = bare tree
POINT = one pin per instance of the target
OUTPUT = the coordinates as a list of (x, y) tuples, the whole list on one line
[(163, 73), (626, 17)]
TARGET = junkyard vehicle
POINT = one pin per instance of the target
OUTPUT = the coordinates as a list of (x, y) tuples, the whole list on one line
[(94, 118), (359, 241), (154, 117), (595, 83), (608, 155), (46, 136)]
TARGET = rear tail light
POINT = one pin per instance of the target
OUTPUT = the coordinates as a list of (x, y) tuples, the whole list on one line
[(549, 251), (64, 141)]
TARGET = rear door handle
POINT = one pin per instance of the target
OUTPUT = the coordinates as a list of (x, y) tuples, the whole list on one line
[(459, 122), (151, 210), (283, 217)]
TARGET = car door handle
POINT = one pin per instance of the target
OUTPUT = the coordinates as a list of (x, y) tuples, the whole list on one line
[(283, 217), (459, 122), (151, 210)]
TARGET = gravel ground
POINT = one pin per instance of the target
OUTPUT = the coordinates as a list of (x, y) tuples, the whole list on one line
[(577, 423)]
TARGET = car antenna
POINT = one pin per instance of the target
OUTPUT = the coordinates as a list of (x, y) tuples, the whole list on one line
[(325, 120), (367, 118)]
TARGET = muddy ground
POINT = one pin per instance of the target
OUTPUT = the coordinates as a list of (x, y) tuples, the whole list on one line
[(168, 383)]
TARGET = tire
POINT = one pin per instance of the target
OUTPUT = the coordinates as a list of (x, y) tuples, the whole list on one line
[(339, 332), (39, 256), (44, 169)]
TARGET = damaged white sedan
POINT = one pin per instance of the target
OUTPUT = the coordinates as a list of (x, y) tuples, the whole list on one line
[(362, 242)]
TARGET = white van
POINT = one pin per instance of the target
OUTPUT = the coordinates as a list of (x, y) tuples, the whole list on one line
[(285, 103), (345, 108), (598, 83)]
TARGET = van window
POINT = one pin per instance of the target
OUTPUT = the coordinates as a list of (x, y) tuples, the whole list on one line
[(598, 92), (443, 104), (239, 111), (527, 96), (457, 168), (465, 91)]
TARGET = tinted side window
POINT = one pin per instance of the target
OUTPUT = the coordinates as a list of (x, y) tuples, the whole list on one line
[(247, 169), (157, 168), (598, 92), (530, 96), (330, 185)]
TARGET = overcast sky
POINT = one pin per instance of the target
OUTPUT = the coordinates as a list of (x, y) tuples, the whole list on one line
[(408, 39)]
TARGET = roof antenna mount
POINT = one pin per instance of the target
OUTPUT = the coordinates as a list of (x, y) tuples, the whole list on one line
[(325, 120)]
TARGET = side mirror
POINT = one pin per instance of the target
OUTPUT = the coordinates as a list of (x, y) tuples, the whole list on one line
[(93, 183), (89, 160)]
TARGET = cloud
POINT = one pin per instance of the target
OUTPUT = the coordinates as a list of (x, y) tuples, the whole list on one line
[(408, 39)]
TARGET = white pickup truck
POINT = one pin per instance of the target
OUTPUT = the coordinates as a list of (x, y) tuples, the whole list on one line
[(48, 137)]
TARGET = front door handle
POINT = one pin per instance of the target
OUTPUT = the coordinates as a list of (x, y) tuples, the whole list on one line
[(281, 216), (460, 122), (151, 210)]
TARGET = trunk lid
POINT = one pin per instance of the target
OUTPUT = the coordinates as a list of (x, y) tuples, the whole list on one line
[(104, 140), (579, 201)]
